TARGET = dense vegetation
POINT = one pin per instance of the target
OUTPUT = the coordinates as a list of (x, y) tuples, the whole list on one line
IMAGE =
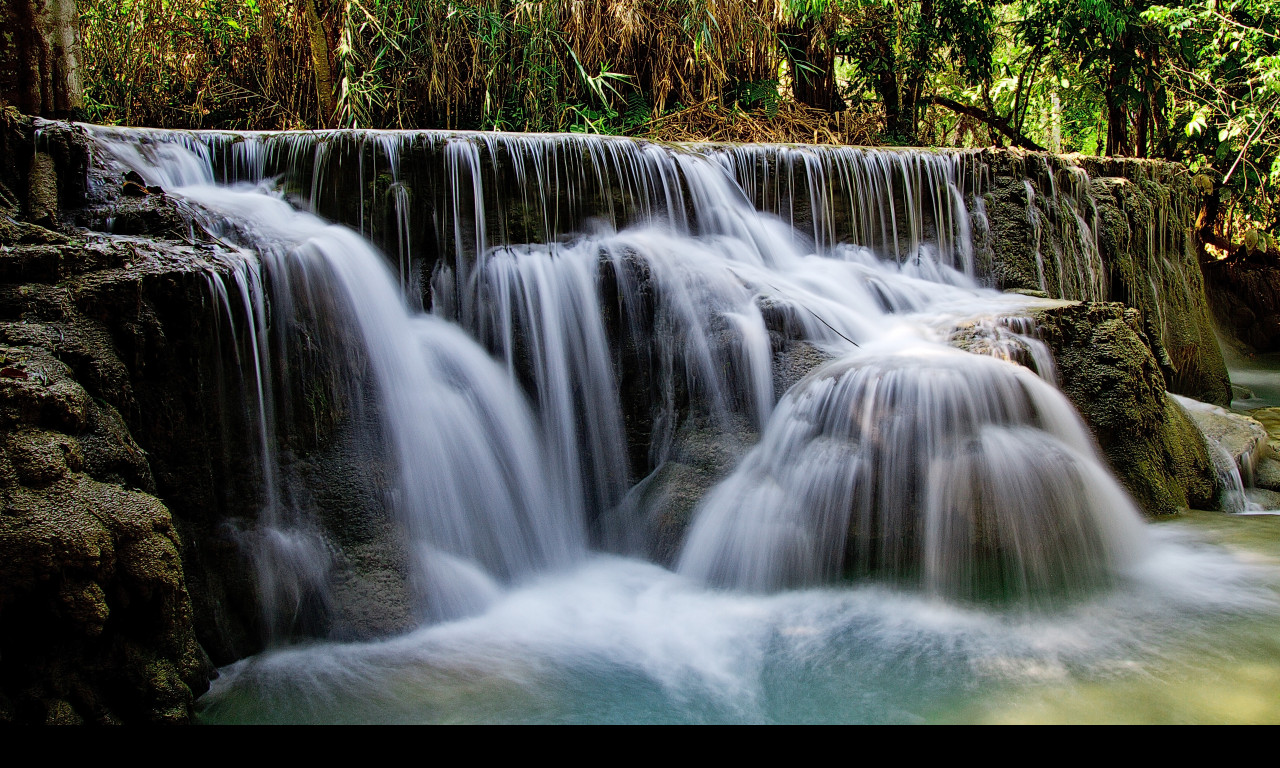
[(1197, 82)]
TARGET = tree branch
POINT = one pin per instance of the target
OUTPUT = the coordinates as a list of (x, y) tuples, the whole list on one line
[(995, 121)]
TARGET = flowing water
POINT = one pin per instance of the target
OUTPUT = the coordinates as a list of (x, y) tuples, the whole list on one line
[(531, 336)]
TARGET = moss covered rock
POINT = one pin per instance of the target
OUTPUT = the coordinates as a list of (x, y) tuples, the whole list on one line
[(96, 623), (1108, 371), (95, 619), (1107, 229)]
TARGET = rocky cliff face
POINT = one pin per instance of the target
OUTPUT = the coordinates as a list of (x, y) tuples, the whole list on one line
[(102, 416), (1042, 210)]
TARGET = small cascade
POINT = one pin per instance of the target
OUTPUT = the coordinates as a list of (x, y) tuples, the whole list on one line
[(1237, 444), (1064, 222), (287, 550), (903, 204), (515, 333), (963, 474)]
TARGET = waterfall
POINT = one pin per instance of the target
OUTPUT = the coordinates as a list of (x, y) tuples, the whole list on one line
[(524, 329), (964, 474), (469, 490)]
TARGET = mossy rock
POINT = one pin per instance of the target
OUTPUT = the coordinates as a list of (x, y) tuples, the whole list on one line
[(92, 596), (1137, 211), (1108, 371)]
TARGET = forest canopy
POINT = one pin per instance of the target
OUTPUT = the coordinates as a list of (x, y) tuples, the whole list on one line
[(1197, 82)]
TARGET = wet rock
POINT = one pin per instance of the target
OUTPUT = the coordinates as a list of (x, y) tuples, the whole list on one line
[(1269, 418), (1107, 369), (42, 191), (38, 389), (1244, 439), (41, 457), (702, 454), (1143, 234), (1267, 500), (664, 502), (1138, 210), (1266, 474), (90, 581), (792, 361), (96, 624), (371, 595)]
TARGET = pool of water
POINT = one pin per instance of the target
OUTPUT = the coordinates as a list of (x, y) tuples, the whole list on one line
[(1191, 636)]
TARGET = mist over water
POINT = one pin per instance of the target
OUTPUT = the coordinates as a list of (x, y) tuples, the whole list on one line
[(625, 641), (908, 527)]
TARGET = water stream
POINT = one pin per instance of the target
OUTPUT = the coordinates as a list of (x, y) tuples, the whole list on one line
[(532, 334)]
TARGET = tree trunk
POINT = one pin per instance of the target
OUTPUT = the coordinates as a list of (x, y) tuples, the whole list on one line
[(995, 122), (1114, 94), (320, 63), (39, 57), (1117, 125), (1143, 124), (813, 65), (1055, 120), (897, 120)]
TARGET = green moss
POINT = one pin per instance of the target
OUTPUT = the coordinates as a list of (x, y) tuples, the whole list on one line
[(1108, 371)]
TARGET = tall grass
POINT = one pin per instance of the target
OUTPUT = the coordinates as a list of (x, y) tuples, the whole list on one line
[(193, 63), (527, 64)]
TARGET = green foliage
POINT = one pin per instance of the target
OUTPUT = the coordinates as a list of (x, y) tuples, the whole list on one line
[(902, 50), (1186, 79), (512, 64), (1226, 76), (755, 95)]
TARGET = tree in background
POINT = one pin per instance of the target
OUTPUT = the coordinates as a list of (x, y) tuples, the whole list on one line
[(39, 56), (900, 49), (1113, 45), (1226, 79)]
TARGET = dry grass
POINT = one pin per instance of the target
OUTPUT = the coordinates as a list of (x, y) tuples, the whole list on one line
[(612, 65), (792, 123), (192, 63)]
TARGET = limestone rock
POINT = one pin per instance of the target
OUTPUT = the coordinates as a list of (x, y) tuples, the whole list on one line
[(1137, 210), (1267, 499), (1243, 438), (1107, 370), (664, 502), (92, 599), (1266, 474)]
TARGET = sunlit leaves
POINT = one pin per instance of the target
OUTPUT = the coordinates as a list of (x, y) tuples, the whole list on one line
[(1199, 122)]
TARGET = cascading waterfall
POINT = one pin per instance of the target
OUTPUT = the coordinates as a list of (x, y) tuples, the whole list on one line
[(470, 490), (691, 268), (523, 331)]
